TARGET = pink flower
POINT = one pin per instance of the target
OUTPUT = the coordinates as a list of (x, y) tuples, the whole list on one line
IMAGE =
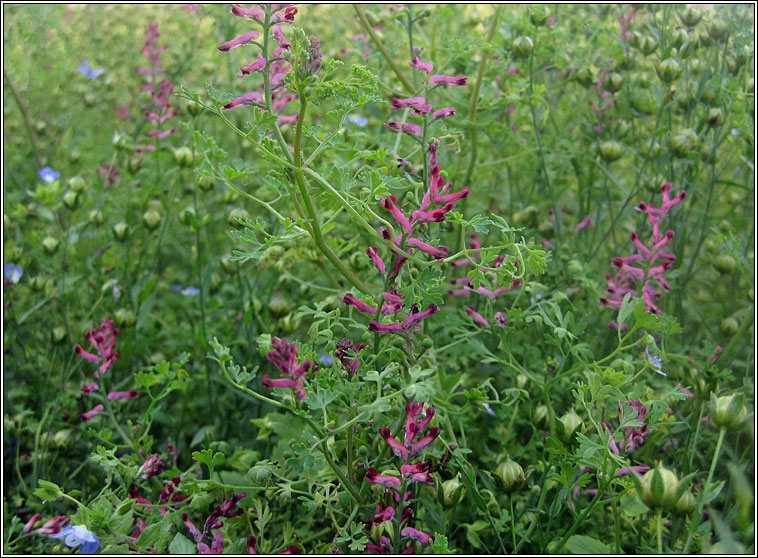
[(103, 338), (500, 319), (276, 31), (29, 525), (287, 17), (152, 466), (390, 204), (89, 388), (436, 253), (116, 395), (585, 222), (383, 515), (247, 13), (403, 127), (423, 66), (239, 41), (161, 134), (406, 103), (91, 414), (448, 80), (477, 317), (373, 477), (350, 300), (346, 349), (417, 473), (246, 99), (398, 449), (373, 253), (53, 526), (443, 113), (416, 535), (254, 67)]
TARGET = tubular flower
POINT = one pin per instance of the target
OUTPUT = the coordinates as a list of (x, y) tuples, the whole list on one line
[(287, 17), (477, 317), (284, 357), (423, 66), (347, 353), (239, 41), (53, 525), (254, 67), (443, 113), (246, 99), (417, 473), (116, 395), (91, 414), (413, 427), (247, 13), (404, 127), (103, 338), (152, 466), (408, 324), (623, 282), (416, 535), (373, 477), (448, 80)]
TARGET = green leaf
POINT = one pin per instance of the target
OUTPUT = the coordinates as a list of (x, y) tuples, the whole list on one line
[(182, 545), (48, 490), (582, 544), (439, 544)]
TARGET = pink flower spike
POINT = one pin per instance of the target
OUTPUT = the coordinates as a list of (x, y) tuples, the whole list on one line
[(373, 253), (443, 113), (434, 216), (390, 204), (403, 127), (287, 17), (94, 359), (436, 253), (585, 222), (406, 103), (91, 414), (415, 317), (256, 66), (448, 80), (247, 13), (116, 395), (89, 388), (246, 99), (381, 516), (417, 473), (160, 134), (350, 300), (373, 477), (276, 31), (477, 317), (53, 525), (423, 66), (239, 41), (416, 535), (398, 449)]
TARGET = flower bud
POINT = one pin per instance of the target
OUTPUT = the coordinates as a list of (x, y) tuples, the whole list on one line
[(729, 326), (567, 426), (715, 117), (121, 231), (539, 14), (585, 77), (261, 472), (717, 29), (184, 215), (206, 183), (50, 245), (71, 199), (521, 381), (647, 44), (59, 334), (511, 475), (522, 46), (668, 70), (691, 16), (77, 184), (540, 414), (183, 156), (74, 155), (724, 264), (644, 100), (453, 492), (727, 411), (151, 218), (134, 165), (659, 486), (63, 439), (679, 37), (686, 503), (122, 142), (613, 82), (236, 214), (194, 109), (125, 317), (290, 323), (611, 151), (90, 99), (278, 305), (681, 144)]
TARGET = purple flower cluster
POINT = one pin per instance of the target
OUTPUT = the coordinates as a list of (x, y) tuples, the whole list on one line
[(284, 357), (213, 522), (647, 256), (633, 436)]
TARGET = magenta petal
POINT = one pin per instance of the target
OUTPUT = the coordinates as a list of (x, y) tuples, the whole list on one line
[(239, 41)]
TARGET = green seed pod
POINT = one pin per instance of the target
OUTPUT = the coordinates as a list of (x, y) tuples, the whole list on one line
[(568, 425), (691, 16), (59, 334), (511, 475), (635, 39), (724, 264), (613, 82), (453, 492), (238, 213), (648, 45), (668, 70), (729, 326), (278, 306), (38, 283), (680, 145), (50, 245), (540, 415), (121, 231), (727, 411), (539, 14), (659, 486), (290, 323), (206, 183), (611, 151), (715, 117), (77, 184), (134, 165), (644, 100), (622, 128), (427, 343), (184, 156), (686, 503), (585, 77), (261, 472), (717, 28), (71, 199), (122, 142), (522, 46), (184, 215), (151, 218), (521, 381), (208, 67), (125, 317), (750, 87), (194, 109)]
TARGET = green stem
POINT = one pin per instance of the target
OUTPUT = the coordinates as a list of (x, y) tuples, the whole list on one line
[(578, 521), (513, 522), (25, 113), (378, 42), (659, 529)]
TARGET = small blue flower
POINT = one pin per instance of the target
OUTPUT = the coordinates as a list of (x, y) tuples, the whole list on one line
[(488, 408), (325, 360), (359, 120), (79, 536), (655, 362), (13, 272), (190, 291), (49, 175), (176, 288), (88, 72)]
